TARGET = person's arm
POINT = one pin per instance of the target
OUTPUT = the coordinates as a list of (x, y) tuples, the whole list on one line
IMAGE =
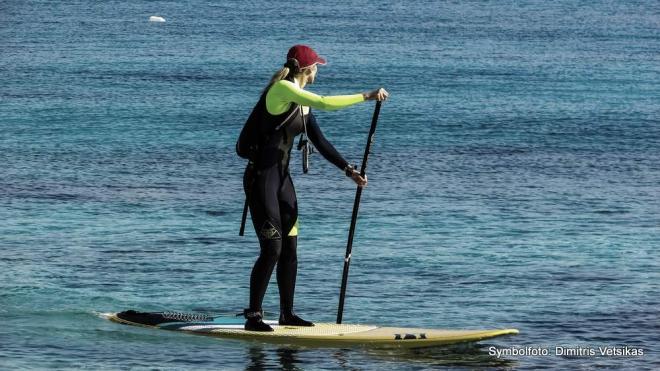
[(284, 92), (326, 149), (330, 153)]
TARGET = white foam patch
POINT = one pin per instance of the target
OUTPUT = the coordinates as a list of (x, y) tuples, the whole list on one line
[(155, 18), (106, 315)]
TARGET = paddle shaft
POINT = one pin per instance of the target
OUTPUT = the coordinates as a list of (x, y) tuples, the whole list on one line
[(356, 206)]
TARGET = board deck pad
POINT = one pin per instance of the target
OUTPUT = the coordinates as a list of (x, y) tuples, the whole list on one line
[(322, 334)]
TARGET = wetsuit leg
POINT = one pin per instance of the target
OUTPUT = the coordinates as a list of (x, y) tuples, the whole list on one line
[(265, 214), (287, 267)]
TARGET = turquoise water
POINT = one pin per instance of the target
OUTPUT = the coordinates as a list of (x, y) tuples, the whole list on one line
[(514, 181)]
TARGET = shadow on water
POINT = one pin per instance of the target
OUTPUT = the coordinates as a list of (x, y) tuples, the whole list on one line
[(287, 358), (460, 356)]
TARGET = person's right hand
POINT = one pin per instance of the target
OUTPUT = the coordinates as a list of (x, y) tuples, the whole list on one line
[(358, 179), (378, 94)]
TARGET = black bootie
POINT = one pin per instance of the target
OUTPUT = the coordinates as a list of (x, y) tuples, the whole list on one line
[(288, 318), (255, 321)]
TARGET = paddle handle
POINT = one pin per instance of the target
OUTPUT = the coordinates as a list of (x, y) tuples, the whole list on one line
[(356, 206)]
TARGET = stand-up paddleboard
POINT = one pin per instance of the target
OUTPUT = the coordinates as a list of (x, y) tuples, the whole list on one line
[(322, 334)]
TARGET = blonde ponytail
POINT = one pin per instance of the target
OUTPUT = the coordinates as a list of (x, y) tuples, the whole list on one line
[(291, 67), (279, 75)]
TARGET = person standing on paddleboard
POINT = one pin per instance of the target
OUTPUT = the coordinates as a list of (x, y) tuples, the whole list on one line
[(282, 113)]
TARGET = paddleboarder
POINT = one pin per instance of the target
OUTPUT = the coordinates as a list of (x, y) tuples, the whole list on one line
[(283, 113)]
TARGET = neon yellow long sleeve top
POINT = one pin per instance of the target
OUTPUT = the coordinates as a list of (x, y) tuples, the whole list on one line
[(282, 93)]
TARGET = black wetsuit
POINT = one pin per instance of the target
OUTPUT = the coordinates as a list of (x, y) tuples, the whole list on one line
[(273, 204)]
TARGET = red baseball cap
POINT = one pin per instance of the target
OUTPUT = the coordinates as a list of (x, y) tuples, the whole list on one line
[(305, 55)]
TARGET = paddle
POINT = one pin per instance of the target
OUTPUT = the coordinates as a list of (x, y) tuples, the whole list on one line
[(356, 206)]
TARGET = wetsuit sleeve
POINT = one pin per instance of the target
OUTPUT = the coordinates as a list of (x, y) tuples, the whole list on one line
[(284, 92), (324, 147)]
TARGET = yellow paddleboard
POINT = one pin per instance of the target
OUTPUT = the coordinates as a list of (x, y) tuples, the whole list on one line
[(322, 334)]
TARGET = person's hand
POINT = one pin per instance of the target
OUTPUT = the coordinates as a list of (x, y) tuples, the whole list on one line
[(378, 94), (356, 177)]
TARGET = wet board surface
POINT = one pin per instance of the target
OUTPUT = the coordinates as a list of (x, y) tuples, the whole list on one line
[(322, 334)]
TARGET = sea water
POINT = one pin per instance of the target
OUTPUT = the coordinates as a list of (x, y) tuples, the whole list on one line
[(514, 181)]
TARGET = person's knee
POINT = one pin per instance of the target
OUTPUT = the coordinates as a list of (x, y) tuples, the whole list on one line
[(271, 251), (289, 247)]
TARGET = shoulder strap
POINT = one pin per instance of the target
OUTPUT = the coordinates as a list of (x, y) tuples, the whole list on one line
[(293, 112)]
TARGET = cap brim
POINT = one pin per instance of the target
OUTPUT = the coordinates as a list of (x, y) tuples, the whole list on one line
[(320, 60)]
